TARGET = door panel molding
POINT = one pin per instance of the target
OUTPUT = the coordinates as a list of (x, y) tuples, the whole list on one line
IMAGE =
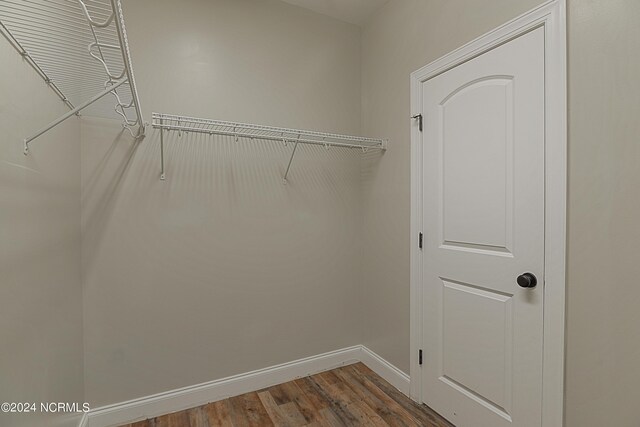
[(552, 17)]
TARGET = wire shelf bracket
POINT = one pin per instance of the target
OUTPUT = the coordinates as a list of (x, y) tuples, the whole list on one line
[(174, 123), (79, 48)]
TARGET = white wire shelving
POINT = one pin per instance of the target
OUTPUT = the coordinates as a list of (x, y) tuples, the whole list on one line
[(81, 51), (236, 130)]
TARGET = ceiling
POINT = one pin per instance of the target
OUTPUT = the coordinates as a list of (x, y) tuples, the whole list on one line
[(353, 11)]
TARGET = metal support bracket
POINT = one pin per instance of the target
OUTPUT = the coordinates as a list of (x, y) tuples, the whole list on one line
[(293, 153), (71, 113), (161, 152)]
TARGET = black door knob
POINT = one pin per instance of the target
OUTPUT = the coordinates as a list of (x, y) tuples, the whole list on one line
[(527, 280)]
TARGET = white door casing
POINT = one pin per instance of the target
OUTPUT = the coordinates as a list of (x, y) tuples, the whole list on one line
[(489, 192)]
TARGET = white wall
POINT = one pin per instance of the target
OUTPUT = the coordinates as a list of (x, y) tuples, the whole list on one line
[(400, 38), (222, 269), (603, 328), (40, 293)]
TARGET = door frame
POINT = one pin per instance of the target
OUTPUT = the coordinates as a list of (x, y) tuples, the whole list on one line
[(552, 16)]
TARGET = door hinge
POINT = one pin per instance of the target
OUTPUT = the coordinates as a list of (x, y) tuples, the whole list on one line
[(419, 357), (419, 117), (420, 241)]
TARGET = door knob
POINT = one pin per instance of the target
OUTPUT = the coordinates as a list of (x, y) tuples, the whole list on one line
[(527, 280)]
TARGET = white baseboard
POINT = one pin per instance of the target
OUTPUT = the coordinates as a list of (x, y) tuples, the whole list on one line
[(201, 394), (386, 370)]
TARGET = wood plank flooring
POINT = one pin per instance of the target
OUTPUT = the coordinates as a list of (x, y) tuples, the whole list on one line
[(348, 396)]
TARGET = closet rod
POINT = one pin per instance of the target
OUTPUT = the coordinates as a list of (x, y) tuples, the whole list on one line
[(254, 136), (168, 122)]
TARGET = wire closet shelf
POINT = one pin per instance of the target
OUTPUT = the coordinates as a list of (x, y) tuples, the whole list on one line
[(168, 122), (81, 51)]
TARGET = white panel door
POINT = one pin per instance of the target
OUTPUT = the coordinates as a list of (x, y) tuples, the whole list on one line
[(483, 195)]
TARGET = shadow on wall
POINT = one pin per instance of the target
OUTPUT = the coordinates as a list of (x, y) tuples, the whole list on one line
[(370, 168), (100, 186), (38, 193), (222, 164), (212, 177), (26, 192)]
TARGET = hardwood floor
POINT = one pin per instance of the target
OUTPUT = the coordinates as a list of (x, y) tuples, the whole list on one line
[(349, 396)]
